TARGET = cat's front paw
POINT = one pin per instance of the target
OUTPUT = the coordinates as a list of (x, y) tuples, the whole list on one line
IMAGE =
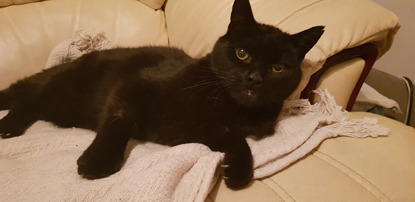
[(94, 164), (238, 172)]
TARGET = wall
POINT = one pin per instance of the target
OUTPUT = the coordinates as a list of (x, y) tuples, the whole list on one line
[(400, 60)]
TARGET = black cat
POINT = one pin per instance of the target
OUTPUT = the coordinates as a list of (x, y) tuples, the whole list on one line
[(162, 95)]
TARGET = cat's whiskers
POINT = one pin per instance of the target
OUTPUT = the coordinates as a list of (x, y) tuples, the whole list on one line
[(223, 92), (218, 91), (203, 83)]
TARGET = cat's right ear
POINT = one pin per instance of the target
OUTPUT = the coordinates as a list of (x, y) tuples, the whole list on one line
[(306, 39), (241, 15)]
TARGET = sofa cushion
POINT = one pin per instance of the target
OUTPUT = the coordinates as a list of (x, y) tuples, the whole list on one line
[(342, 169), (195, 25), (29, 32)]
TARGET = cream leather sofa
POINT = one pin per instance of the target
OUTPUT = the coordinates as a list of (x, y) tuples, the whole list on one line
[(357, 33)]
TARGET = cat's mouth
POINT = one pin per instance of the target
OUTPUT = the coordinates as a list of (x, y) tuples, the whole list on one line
[(246, 97)]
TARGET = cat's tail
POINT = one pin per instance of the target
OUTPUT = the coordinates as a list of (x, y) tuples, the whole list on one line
[(5, 99)]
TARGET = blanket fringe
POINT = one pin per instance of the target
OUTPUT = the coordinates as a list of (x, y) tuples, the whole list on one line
[(366, 127), (335, 121), (326, 107)]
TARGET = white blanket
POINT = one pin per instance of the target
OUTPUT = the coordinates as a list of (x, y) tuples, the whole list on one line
[(41, 164)]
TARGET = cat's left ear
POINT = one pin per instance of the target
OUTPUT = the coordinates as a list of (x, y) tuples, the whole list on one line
[(306, 39), (241, 15)]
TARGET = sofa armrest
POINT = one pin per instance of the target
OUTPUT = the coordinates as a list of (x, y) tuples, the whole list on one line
[(343, 74), (341, 80)]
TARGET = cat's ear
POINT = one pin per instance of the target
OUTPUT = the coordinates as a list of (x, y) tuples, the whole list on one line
[(241, 15), (306, 39)]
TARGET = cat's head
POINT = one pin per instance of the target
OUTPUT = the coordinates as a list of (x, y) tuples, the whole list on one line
[(257, 63)]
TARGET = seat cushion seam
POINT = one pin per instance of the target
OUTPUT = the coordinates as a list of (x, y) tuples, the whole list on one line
[(374, 190), (284, 195)]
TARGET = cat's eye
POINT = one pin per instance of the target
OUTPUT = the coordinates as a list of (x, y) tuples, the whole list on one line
[(277, 68), (242, 54)]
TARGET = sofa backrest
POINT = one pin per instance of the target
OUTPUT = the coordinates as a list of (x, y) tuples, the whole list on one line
[(29, 32)]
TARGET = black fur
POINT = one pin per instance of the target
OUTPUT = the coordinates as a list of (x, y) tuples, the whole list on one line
[(162, 95)]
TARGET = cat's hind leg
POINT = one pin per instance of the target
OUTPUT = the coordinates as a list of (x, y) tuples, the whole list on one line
[(5, 100)]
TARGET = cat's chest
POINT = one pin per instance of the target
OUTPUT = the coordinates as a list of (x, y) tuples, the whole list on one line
[(193, 117)]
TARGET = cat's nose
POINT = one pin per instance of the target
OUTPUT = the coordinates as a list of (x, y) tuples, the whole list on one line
[(255, 78)]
